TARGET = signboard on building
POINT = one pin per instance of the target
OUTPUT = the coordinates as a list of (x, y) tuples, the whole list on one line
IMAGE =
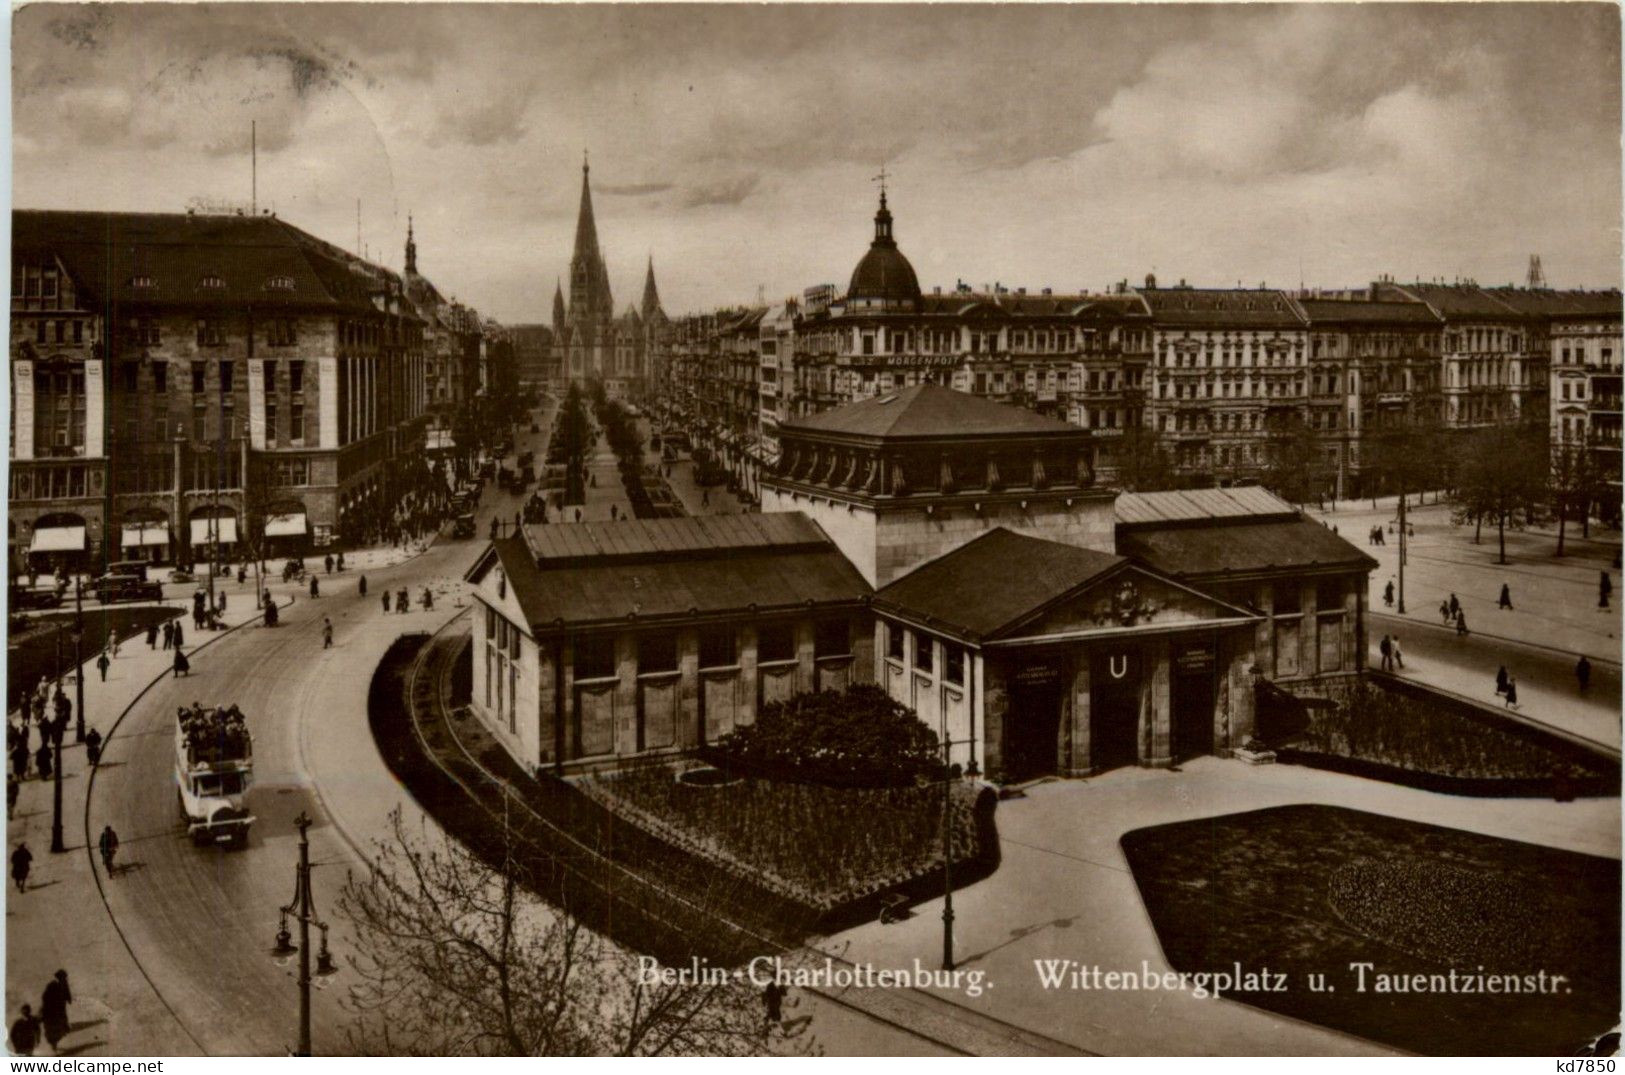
[(321, 535)]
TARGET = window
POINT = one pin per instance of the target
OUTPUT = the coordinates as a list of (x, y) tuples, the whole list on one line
[(490, 622), (832, 638), (296, 423), (280, 333), (953, 664), (894, 641), (922, 651), (719, 647), (296, 376), (198, 373), (226, 372), (209, 332), (1329, 595), (292, 472), (775, 642), (130, 374), (594, 656), (78, 332), (657, 653), (160, 377), (270, 376), (279, 283), (1287, 600)]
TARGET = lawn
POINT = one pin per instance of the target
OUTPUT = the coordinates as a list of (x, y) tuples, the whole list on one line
[(821, 846), (1313, 889), (33, 653)]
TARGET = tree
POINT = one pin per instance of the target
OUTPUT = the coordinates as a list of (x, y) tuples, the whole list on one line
[(1295, 466), (456, 958), (1571, 485), (1501, 471), (1143, 462)]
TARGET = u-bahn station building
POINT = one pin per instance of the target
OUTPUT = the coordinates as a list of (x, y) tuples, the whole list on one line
[(953, 550)]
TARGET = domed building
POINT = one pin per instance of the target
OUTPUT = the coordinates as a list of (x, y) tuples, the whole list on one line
[(884, 281)]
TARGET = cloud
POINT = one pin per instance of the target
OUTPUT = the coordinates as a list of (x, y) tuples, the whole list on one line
[(632, 190), (721, 192)]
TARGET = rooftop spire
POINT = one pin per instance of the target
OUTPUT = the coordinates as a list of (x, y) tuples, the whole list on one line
[(590, 300), (651, 296), (411, 247)]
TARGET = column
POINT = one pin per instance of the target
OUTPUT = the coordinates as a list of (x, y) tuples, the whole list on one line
[(996, 705), (1078, 760), (1156, 737), (688, 689), (327, 402), (626, 693), (256, 403), (95, 408), (22, 395)]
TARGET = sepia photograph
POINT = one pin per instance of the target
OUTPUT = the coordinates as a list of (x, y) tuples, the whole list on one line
[(813, 530)]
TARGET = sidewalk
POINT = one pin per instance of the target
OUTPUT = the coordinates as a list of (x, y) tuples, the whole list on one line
[(115, 1010)]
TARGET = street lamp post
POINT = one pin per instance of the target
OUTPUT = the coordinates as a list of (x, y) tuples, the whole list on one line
[(78, 660), (948, 848), (303, 908), (54, 729), (1402, 551)]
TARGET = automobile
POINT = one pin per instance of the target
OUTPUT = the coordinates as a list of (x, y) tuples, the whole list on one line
[(111, 588), (137, 568), (25, 600), (463, 526)]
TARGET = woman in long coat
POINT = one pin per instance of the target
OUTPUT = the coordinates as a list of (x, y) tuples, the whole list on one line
[(54, 1008)]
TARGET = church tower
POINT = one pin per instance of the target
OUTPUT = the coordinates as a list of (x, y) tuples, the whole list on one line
[(591, 307), (411, 248)]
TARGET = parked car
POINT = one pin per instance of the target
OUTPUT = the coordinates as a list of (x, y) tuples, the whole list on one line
[(463, 526), (25, 600), (111, 588)]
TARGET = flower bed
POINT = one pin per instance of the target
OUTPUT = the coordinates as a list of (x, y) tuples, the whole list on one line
[(1388, 728), (821, 846)]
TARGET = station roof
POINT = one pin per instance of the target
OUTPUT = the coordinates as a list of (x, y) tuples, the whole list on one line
[(994, 581), (929, 411), (1193, 505), (1240, 548)]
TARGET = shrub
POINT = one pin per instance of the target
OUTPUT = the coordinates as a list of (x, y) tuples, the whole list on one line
[(860, 737)]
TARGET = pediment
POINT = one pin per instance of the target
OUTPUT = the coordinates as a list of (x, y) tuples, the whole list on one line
[(1130, 597)]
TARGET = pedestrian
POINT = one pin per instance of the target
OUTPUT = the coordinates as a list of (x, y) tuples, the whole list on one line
[(362, 586), (386, 600), (428, 600), (101, 665), (1582, 672), (13, 787), (1399, 658), (327, 633), (612, 511), (315, 588), (327, 563), (93, 747), (1506, 597), (109, 847), (518, 519), (54, 1008), (21, 860), (220, 602), (1444, 611), (1388, 594), (773, 1002), (1605, 586), (152, 636), (242, 574), (42, 760), (403, 601), (1512, 692), (1386, 648), (1501, 680), (27, 705), (64, 709), (19, 758), (1455, 607), (25, 1033), (180, 634), (169, 634), (183, 667), (340, 564), (271, 613)]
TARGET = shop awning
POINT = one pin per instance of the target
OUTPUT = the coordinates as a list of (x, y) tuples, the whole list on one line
[(291, 525), (225, 530), (58, 539), (143, 535)]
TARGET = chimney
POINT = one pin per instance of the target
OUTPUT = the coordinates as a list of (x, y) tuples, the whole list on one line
[(1047, 291), (1374, 291), (1150, 279)]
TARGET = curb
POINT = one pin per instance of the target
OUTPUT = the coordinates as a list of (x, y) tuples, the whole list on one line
[(1517, 716), (1475, 632)]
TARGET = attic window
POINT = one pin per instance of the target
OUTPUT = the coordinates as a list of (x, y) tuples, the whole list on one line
[(212, 283), (279, 283), (142, 282)]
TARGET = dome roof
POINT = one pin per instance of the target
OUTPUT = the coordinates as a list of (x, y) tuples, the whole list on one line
[(884, 277)]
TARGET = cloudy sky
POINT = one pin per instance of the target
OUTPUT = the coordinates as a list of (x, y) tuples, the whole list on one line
[(1061, 146)]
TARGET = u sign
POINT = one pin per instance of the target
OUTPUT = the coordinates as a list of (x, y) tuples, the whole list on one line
[(1118, 665)]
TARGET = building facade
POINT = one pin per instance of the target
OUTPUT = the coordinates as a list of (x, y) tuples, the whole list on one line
[(190, 387)]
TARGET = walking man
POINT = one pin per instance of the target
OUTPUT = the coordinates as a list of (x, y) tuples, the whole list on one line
[(180, 634), (109, 847), (403, 601), (1605, 586), (169, 633), (315, 587), (93, 746), (21, 860), (386, 600), (1455, 607), (152, 636), (1388, 594), (327, 633), (1582, 672), (1506, 597), (327, 563), (362, 586), (1512, 692), (1461, 624), (54, 1008), (101, 665), (1386, 648), (1399, 658)]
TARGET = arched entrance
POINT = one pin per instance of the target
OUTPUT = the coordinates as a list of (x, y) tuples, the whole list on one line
[(286, 530), (1114, 707), (58, 542), (212, 531), (144, 535)]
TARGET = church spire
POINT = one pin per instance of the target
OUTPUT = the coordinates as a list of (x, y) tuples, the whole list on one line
[(558, 307), (651, 296), (590, 301), (411, 247)]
